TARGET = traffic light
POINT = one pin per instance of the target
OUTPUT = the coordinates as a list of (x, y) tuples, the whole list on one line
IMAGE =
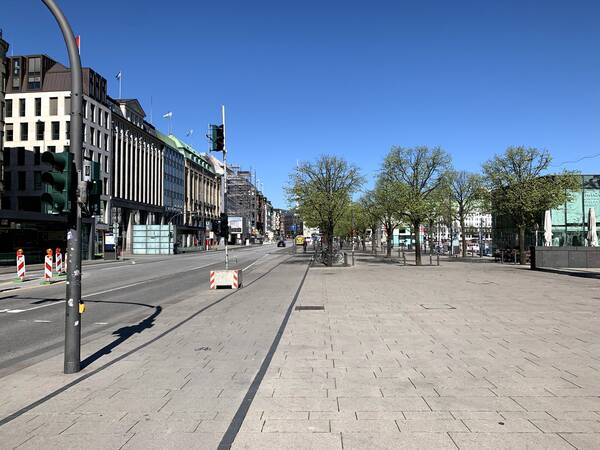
[(224, 226), (59, 183), (217, 138), (95, 189)]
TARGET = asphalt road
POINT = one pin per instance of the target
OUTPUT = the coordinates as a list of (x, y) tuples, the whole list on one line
[(117, 295)]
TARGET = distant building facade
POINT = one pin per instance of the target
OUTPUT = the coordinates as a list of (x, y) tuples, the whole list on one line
[(3, 81), (137, 164), (38, 119)]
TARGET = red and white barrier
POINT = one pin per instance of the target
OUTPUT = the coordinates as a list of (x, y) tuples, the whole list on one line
[(59, 261), (231, 279), (48, 266), (20, 265)]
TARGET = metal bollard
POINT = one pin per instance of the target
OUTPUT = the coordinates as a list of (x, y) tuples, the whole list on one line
[(501, 256), (515, 257), (438, 259), (404, 257), (430, 259), (346, 259), (353, 259)]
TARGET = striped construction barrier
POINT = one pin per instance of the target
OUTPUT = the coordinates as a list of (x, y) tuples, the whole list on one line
[(229, 279), (48, 266), (20, 265), (59, 261)]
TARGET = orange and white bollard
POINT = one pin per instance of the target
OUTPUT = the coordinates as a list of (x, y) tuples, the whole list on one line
[(48, 266), (20, 265), (59, 261)]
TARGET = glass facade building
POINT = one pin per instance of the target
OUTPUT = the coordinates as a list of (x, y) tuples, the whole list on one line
[(569, 221)]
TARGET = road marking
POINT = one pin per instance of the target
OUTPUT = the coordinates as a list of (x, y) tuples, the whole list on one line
[(100, 323), (42, 321), (14, 311)]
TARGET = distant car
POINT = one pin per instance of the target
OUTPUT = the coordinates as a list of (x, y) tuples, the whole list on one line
[(281, 244)]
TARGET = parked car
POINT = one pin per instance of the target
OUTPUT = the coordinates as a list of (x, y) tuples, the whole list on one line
[(281, 243)]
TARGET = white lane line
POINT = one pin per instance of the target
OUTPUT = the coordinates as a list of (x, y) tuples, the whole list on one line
[(14, 311), (42, 321), (100, 323)]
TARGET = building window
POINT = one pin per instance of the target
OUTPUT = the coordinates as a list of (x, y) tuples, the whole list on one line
[(68, 130), (38, 107), (67, 148), (16, 74), (22, 107), (51, 148), (106, 120), (9, 108), (39, 130), (9, 132), (53, 106), (67, 105), (20, 156), (22, 181), (36, 156), (84, 108), (106, 142), (92, 112), (34, 73), (8, 182), (55, 130), (37, 180), (24, 131)]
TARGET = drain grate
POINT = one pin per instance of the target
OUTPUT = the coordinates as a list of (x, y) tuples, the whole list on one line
[(438, 306), (310, 308)]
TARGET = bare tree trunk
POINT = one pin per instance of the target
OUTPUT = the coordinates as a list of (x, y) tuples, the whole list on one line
[(463, 236), (417, 228), (522, 256)]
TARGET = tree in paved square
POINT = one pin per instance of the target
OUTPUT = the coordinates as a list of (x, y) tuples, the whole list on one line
[(468, 193), (322, 192), (420, 171), (520, 188)]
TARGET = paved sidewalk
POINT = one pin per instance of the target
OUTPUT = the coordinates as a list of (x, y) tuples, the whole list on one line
[(467, 356)]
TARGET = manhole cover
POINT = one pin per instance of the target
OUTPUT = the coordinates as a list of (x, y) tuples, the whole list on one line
[(438, 306), (310, 308)]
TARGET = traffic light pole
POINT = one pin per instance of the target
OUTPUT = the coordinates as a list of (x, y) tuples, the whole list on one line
[(73, 316), (225, 186)]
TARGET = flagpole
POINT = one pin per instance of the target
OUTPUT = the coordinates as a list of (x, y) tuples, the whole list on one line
[(120, 78)]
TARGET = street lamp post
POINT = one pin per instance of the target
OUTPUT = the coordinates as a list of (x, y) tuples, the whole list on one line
[(72, 359)]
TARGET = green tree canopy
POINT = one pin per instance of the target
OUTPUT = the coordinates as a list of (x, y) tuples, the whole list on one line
[(322, 192), (521, 189), (421, 171)]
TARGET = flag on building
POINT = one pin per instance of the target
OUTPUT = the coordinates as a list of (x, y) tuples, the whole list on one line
[(168, 115), (119, 75)]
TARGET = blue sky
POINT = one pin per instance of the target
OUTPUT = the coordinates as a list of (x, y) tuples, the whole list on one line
[(352, 78)]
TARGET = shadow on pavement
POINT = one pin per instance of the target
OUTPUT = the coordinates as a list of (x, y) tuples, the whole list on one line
[(123, 333), (570, 272)]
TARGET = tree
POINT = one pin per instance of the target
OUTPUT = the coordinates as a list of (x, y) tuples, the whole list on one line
[(520, 189), (322, 192), (372, 216), (389, 199), (467, 192), (421, 171)]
